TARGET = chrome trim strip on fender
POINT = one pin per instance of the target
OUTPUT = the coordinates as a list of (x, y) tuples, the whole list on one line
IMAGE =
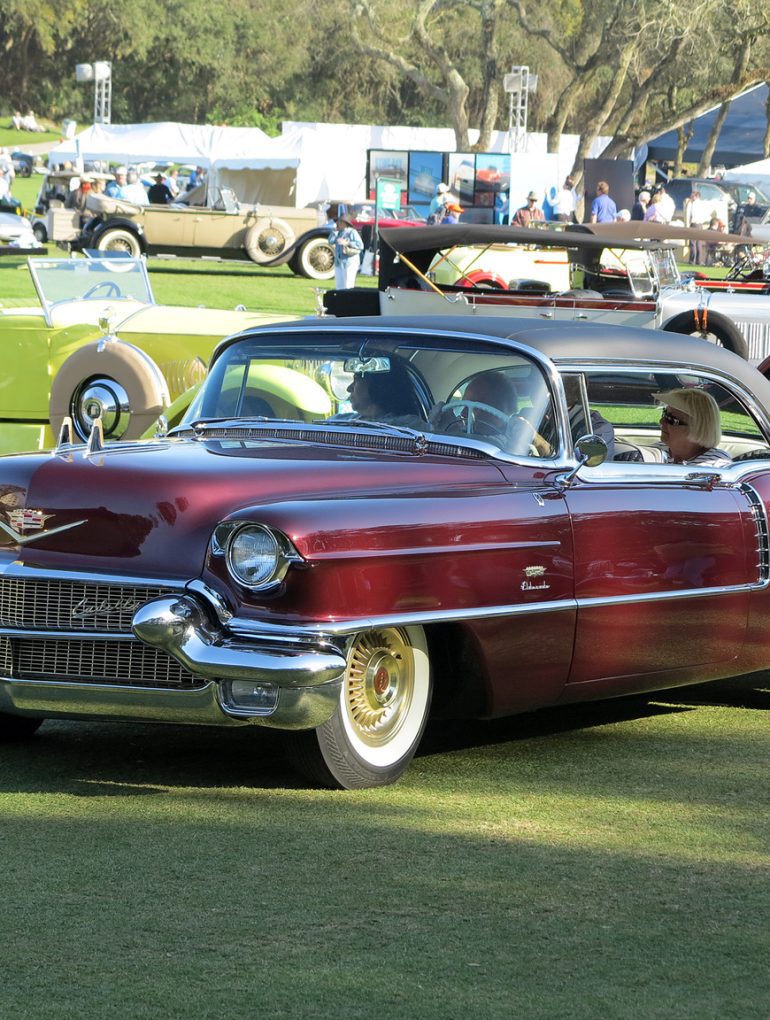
[(666, 596), (257, 628)]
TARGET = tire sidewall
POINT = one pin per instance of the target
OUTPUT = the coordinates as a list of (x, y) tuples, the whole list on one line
[(254, 233), (718, 325), (304, 264), (112, 233), (343, 758)]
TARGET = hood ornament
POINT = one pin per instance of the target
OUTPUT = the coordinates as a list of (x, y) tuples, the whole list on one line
[(107, 323), (28, 519)]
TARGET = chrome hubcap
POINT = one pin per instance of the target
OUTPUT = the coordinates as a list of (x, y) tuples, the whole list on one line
[(272, 243), (101, 398)]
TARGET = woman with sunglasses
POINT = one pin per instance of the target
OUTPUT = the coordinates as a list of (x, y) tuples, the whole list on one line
[(690, 428)]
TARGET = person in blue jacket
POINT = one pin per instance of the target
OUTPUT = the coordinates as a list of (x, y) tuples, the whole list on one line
[(348, 245)]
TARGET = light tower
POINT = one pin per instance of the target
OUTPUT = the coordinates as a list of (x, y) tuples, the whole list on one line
[(100, 73), (518, 84)]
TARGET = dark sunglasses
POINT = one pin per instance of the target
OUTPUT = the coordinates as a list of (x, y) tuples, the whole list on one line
[(669, 419)]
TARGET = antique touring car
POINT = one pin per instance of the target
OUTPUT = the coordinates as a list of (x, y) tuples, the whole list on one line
[(64, 359), (343, 536), (582, 274)]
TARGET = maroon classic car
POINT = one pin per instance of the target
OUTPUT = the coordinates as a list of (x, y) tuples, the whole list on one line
[(364, 521)]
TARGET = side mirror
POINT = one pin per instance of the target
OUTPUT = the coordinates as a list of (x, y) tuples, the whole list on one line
[(591, 451)]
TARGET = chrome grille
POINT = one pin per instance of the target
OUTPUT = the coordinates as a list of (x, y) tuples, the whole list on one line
[(759, 516), (123, 662), (55, 604)]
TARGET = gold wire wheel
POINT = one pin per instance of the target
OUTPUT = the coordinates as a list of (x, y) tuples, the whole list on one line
[(379, 684)]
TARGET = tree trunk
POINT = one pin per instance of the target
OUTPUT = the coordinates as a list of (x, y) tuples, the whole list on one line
[(683, 135), (713, 138)]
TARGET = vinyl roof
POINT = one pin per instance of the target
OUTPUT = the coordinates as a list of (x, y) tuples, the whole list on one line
[(562, 342)]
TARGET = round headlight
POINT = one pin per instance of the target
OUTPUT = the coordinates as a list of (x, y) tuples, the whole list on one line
[(253, 555)]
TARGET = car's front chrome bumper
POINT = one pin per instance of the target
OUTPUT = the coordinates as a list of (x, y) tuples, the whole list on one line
[(262, 680)]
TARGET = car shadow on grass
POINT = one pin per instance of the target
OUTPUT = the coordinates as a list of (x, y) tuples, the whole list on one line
[(96, 758), (747, 691)]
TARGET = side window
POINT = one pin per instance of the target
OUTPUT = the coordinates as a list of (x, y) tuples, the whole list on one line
[(712, 193), (629, 402)]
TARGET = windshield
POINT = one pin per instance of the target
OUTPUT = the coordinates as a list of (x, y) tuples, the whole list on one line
[(437, 387), (118, 279), (665, 263)]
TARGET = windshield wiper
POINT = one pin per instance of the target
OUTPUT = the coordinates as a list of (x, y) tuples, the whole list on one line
[(380, 426), (198, 427)]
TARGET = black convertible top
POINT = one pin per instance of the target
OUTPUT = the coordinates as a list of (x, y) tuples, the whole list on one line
[(420, 244), (636, 230)]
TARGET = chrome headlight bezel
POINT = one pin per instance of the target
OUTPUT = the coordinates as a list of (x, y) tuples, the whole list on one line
[(225, 543)]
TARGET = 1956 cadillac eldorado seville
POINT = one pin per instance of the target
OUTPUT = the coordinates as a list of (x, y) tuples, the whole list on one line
[(343, 536)]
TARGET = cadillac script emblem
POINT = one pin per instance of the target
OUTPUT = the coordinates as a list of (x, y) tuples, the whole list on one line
[(25, 520)]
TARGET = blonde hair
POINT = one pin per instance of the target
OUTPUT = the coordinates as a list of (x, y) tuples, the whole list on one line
[(705, 427)]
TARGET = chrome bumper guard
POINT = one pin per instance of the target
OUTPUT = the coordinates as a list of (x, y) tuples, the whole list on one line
[(291, 687)]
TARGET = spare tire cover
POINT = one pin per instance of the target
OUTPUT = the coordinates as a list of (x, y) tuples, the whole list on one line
[(128, 366)]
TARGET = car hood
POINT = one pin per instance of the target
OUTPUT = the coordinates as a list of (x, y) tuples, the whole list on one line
[(173, 320), (149, 508)]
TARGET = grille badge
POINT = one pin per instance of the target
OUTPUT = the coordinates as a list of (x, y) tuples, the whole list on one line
[(101, 607), (27, 519)]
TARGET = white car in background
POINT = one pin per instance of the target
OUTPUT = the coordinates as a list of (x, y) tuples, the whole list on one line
[(16, 232)]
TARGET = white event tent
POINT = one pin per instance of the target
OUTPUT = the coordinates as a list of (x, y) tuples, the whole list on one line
[(288, 170), (308, 163), (757, 173)]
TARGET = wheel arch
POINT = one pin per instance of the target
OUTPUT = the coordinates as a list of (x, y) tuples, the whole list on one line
[(461, 686)]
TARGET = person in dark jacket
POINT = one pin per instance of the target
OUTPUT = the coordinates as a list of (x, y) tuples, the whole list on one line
[(160, 193)]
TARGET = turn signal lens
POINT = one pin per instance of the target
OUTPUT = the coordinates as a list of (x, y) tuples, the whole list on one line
[(253, 698)]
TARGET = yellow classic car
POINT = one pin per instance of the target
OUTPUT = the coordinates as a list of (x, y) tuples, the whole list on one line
[(99, 347)]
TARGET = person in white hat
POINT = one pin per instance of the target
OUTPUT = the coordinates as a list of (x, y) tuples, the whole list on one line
[(115, 188), (439, 203)]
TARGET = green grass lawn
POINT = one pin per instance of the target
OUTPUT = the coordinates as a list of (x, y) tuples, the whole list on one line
[(12, 139), (589, 862), (188, 281)]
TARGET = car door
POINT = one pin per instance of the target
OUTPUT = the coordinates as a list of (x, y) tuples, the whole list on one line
[(168, 226), (662, 574), (665, 558)]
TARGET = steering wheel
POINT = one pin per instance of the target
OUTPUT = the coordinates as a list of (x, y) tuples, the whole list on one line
[(111, 289), (468, 424), (521, 432), (742, 266)]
